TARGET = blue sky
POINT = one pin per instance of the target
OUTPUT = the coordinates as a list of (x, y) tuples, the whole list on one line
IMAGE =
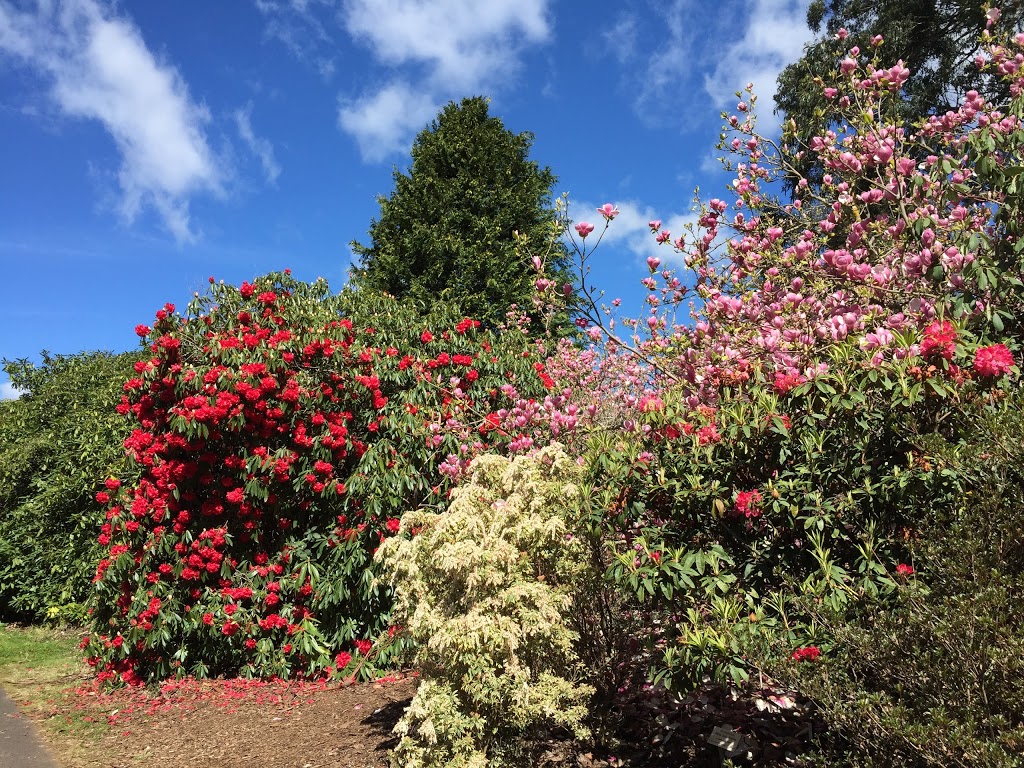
[(148, 145)]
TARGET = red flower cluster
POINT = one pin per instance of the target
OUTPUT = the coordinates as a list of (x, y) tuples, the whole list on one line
[(260, 504), (807, 653), (939, 340), (993, 361), (748, 504)]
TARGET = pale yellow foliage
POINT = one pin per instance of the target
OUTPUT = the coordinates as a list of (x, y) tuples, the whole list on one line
[(484, 590)]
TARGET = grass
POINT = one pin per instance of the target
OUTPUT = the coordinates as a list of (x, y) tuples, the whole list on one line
[(38, 669)]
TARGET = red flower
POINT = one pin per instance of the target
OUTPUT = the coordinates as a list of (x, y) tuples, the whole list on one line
[(363, 646), (939, 339), (784, 382), (343, 659), (903, 570), (426, 337), (807, 653), (993, 361), (748, 503), (393, 525)]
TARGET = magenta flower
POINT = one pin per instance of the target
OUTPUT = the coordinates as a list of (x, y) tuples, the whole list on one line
[(993, 361), (609, 211), (940, 340), (748, 503), (584, 229)]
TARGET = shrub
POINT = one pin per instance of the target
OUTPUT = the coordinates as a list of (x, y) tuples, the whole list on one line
[(774, 447), (280, 431), (484, 589), (58, 442), (937, 679)]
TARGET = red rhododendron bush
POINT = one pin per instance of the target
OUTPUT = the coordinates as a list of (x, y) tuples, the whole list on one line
[(280, 432)]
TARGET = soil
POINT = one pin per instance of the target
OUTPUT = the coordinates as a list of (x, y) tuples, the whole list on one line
[(229, 724), (292, 724)]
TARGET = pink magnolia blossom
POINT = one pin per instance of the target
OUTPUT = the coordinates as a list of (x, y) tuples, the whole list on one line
[(584, 228), (609, 211)]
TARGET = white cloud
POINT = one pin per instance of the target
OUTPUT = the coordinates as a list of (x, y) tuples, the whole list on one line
[(775, 34), (696, 57), (620, 39), (295, 25), (382, 122), (259, 146), (447, 48), (8, 392), (463, 42), (100, 69)]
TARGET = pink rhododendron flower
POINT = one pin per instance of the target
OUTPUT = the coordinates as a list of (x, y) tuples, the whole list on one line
[(993, 361), (748, 503)]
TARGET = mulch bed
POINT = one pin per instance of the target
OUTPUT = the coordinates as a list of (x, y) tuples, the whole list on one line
[(229, 723), (292, 724)]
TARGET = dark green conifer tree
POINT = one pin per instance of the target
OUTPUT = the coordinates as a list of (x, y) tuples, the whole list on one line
[(446, 233)]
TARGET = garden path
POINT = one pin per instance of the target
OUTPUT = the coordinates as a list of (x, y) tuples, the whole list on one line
[(20, 745)]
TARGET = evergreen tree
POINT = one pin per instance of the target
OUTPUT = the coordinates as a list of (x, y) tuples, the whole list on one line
[(446, 232)]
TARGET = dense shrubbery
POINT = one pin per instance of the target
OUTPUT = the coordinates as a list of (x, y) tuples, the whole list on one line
[(775, 447), (793, 483), (937, 678), (58, 441), (281, 432)]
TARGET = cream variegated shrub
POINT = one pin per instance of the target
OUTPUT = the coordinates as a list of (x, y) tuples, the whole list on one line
[(484, 589)]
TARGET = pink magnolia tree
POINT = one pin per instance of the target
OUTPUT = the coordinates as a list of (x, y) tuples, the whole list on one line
[(775, 446)]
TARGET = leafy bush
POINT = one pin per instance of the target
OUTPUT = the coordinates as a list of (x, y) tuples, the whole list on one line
[(280, 432), (937, 679), (485, 589), (58, 442), (773, 448)]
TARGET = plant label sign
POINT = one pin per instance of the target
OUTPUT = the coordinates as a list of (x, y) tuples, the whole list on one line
[(727, 740)]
